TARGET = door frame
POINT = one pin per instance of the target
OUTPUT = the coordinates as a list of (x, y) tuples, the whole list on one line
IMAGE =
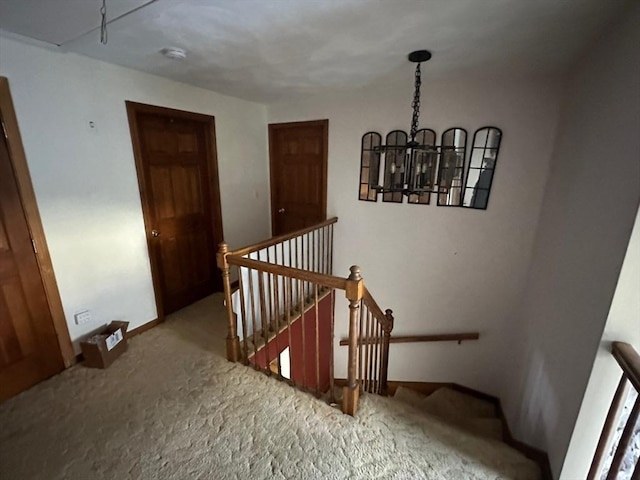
[(273, 127), (133, 108), (18, 161)]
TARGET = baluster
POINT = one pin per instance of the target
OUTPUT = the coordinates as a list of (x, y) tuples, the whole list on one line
[(607, 429), (233, 343), (361, 347), (270, 290), (636, 471), (324, 251), (331, 374), (307, 254), (376, 366), (385, 353), (290, 253), (331, 251), (304, 338), (623, 444), (372, 346), (253, 320), (265, 326), (289, 306), (312, 236), (367, 354), (315, 290), (243, 315), (276, 284), (372, 320), (321, 250), (298, 262)]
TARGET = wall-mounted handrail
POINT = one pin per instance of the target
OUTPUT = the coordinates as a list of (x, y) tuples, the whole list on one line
[(281, 238), (449, 337)]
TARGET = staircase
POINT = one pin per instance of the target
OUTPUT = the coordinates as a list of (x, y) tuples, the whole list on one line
[(285, 300)]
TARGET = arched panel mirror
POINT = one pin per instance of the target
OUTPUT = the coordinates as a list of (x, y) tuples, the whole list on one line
[(451, 168), (394, 166), (484, 157), (369, 166), (423, 166)]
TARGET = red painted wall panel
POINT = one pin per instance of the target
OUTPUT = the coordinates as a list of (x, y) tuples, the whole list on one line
[(303, 347)]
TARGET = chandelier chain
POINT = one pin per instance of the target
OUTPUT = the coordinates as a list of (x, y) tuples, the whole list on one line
[(103, 24), (416, 103)]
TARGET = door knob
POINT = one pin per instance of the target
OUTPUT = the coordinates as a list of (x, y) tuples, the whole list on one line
[(281, 210), (155, 233)]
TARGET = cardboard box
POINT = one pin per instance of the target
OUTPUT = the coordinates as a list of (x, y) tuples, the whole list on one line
[(101, 349)]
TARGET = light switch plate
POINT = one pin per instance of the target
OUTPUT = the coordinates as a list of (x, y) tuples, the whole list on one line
[(82, 317)]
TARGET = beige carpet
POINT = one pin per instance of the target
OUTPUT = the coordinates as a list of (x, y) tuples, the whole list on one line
[(173, 408)]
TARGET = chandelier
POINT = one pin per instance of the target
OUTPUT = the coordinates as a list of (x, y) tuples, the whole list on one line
[(414, 166)]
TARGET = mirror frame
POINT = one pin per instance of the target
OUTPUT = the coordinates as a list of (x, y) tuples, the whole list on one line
[(484, 148)]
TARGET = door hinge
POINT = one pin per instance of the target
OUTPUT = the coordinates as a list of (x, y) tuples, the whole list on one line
[(35, 249)]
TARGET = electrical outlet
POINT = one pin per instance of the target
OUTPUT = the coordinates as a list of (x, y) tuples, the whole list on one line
[(82, 317)]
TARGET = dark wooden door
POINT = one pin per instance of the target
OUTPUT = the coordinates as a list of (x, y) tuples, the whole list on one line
[(29, 349), (179, 187), (298, 158)]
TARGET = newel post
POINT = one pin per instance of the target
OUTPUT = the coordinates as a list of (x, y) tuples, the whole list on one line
[(384, 368), (233, 343), (354, 292)]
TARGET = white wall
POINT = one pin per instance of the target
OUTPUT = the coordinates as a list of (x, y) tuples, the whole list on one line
[(623, 324), (589, 209), (85, 180), (440, 269)]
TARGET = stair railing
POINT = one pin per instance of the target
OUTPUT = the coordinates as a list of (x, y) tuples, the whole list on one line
[(617, 441), (373, 347), (286, 298)]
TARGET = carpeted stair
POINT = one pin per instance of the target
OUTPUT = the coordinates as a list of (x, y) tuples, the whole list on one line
[(458, 409)]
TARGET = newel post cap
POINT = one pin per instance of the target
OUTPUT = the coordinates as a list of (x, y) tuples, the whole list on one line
[(355, 273)]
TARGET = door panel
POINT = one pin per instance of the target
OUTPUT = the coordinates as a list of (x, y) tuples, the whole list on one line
[(174, 160), (298, 155), (29, 350)]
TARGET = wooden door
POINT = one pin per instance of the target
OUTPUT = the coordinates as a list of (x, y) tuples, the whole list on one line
[(29, 349), (177, 173), (298, 159)]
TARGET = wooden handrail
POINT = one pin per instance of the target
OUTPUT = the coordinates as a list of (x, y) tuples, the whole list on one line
[(451, 337), (376, 310), (321, 279), (629, 361), (361, 304), (282, 238)]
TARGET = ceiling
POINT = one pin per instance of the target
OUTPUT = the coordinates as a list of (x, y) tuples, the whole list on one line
[(267, 50)]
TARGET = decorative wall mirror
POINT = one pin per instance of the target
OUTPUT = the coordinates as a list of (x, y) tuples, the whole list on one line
[(484, 156), (424, 166), (369, 166), (451, 168), (394, 166)]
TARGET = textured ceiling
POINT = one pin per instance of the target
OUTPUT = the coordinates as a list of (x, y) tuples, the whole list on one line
[(268, 50)]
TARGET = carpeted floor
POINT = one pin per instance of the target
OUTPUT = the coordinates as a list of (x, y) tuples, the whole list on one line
[(173, 408)]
